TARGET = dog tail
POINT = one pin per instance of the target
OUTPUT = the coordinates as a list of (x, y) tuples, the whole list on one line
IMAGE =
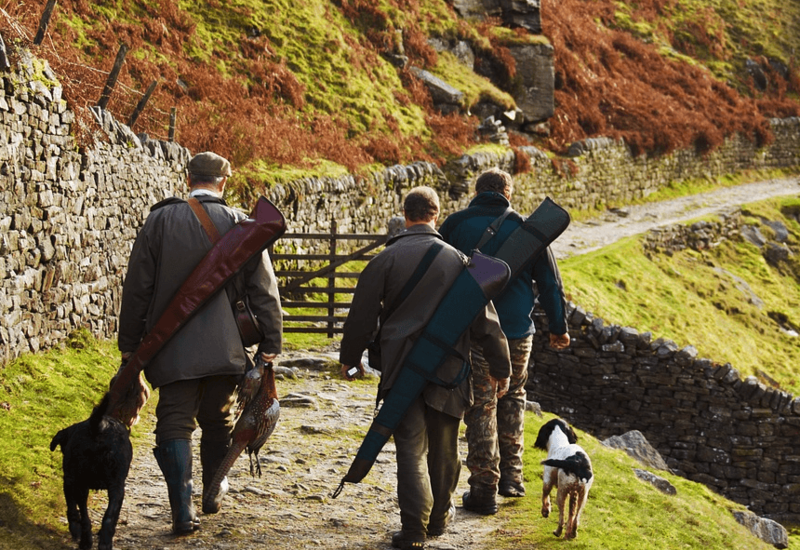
[(60, 438), (577, 465), (97, 415)]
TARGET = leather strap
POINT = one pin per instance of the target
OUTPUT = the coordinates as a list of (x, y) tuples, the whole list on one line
[(493, 228), (416, 277), (205, 220)]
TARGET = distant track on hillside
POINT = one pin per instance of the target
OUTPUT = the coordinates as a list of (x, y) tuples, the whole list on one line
[(616, 224)]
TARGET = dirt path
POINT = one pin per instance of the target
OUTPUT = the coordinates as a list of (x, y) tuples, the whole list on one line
[(322, 422), (583, 237)]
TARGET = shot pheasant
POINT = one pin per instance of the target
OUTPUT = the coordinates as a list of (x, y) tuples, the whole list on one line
[(259, 410)]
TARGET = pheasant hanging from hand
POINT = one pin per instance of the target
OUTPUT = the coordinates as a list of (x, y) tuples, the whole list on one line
[(259, 410)]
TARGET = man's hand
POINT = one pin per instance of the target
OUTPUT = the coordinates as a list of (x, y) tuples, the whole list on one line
[(126, 356), (500, 386), (268, 357), (348, 374), (559, 341)]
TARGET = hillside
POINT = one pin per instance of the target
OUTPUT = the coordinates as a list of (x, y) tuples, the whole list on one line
[(284, 87), (728, 300)]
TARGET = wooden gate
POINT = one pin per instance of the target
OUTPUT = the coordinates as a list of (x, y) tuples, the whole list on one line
[(297, 285)]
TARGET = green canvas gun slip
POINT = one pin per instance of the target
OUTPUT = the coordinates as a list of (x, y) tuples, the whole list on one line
[(242, 242), (481, 281), (524, 245)]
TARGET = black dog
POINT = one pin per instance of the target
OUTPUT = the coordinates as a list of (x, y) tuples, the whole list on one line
[(97, 455)]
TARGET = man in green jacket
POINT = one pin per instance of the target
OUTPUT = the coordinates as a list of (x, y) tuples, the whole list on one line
[(426, 439), (197, 370)]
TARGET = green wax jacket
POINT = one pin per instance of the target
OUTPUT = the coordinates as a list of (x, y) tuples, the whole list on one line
[(168, 247)]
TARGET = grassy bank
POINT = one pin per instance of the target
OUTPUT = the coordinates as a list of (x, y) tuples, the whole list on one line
[(39, 395), (727, 302)]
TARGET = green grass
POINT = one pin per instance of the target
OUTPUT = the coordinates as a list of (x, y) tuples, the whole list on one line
[(319, 46), (623, 512), (697, 298), (299, 341)]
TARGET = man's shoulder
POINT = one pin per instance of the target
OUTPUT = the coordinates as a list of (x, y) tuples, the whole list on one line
[(415, 240), (452, 254), (474, 211), (457, 217), (452, 250), (166, 202), (220, 203)]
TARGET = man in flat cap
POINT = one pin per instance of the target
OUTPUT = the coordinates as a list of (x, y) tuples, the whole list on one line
[(197, 370)]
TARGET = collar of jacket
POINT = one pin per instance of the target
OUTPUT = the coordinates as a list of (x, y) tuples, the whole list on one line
[(176, 200), (416, 229), (490, 198)]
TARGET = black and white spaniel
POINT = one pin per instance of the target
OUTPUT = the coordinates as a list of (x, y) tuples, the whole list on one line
[(568, 468)]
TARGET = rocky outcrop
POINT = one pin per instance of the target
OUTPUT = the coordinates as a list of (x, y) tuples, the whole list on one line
[(523, 13), (658, 482), (534, 84), (637, 446), (514, 13), (445, 97), (477, 9)]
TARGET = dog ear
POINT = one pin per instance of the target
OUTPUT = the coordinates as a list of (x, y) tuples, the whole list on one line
[(544, 435), (572, 437)]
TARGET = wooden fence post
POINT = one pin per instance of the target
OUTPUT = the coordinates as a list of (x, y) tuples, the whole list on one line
[(4, 64), (172, 116), (44, 21), (332, 278), (112, 76), (142, 102)]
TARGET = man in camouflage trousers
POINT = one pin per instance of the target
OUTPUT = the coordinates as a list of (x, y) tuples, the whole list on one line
[(495, 425)]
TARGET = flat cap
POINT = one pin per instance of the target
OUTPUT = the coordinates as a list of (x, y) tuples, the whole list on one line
[(209, 164)]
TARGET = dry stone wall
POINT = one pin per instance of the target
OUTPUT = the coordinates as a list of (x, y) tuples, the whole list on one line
[(68, 216), (601, 172)]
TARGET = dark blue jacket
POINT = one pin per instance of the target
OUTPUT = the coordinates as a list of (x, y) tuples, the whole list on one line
[(465, 228)]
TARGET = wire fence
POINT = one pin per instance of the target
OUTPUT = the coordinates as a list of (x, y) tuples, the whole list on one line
[(84, 84)]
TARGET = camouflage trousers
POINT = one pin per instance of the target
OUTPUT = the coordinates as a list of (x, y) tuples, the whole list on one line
[(495, 428)]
